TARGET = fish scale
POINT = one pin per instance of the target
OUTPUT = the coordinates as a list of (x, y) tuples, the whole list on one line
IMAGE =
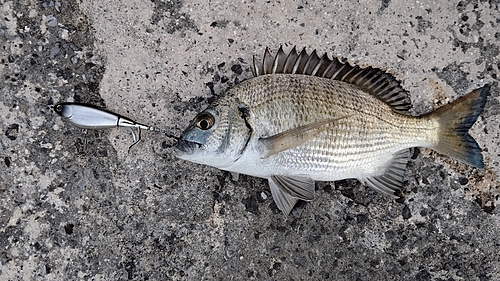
[(303, 119)]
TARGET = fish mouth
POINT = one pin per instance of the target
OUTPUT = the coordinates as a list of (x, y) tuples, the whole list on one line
[(186, 147)]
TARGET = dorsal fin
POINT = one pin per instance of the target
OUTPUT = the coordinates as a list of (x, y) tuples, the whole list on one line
[(372, 80)]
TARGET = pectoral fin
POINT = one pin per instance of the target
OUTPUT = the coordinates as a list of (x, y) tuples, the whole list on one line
[(286, 190), (294, 137)]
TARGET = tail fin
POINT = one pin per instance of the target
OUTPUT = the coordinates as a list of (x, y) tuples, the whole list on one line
[(455, 120)]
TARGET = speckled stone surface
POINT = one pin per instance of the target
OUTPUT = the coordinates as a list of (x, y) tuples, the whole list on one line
[(79, 207)]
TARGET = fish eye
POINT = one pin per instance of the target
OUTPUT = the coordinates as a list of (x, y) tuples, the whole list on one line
[(205, 121), (58, 108)]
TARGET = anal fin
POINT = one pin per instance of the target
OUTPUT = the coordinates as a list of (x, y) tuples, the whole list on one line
[(392, 180)]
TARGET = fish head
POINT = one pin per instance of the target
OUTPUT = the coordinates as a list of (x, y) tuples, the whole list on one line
[(199, 138), (216, 137)]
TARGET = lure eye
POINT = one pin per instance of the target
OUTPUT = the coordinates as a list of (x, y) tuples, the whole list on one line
[(58, 108), (205, 121)]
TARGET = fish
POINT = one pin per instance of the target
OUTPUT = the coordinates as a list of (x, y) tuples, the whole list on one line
[(87, 116), (302, 118)]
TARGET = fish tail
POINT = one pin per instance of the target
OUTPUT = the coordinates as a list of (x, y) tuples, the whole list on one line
[(455, 120)]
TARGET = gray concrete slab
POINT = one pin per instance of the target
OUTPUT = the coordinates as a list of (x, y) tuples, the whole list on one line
[(76, 211)]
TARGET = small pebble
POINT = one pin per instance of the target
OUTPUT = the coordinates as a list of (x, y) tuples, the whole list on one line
[(263, 195), (51, 20)]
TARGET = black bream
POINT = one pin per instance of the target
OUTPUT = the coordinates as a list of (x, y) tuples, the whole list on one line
[(303, 119)]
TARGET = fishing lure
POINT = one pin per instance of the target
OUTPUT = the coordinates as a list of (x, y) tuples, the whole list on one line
[(87, 116)]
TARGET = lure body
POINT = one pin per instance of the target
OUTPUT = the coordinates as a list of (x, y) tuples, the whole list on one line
[(86, 116)]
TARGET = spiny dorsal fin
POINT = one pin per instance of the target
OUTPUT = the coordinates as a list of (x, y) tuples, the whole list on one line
[(372, 80)]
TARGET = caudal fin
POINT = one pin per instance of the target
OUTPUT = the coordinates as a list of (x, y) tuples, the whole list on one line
[(455, 120)]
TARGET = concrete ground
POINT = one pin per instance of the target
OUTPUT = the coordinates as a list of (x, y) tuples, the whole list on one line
[(76, 207)]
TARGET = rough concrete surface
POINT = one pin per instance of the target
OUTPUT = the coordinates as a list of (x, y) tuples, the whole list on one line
[(79, 207)]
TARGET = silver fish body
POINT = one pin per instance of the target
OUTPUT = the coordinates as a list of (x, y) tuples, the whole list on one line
[(296, 123)]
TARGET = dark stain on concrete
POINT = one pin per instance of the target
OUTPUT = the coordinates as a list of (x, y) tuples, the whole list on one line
[(168, 12)]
